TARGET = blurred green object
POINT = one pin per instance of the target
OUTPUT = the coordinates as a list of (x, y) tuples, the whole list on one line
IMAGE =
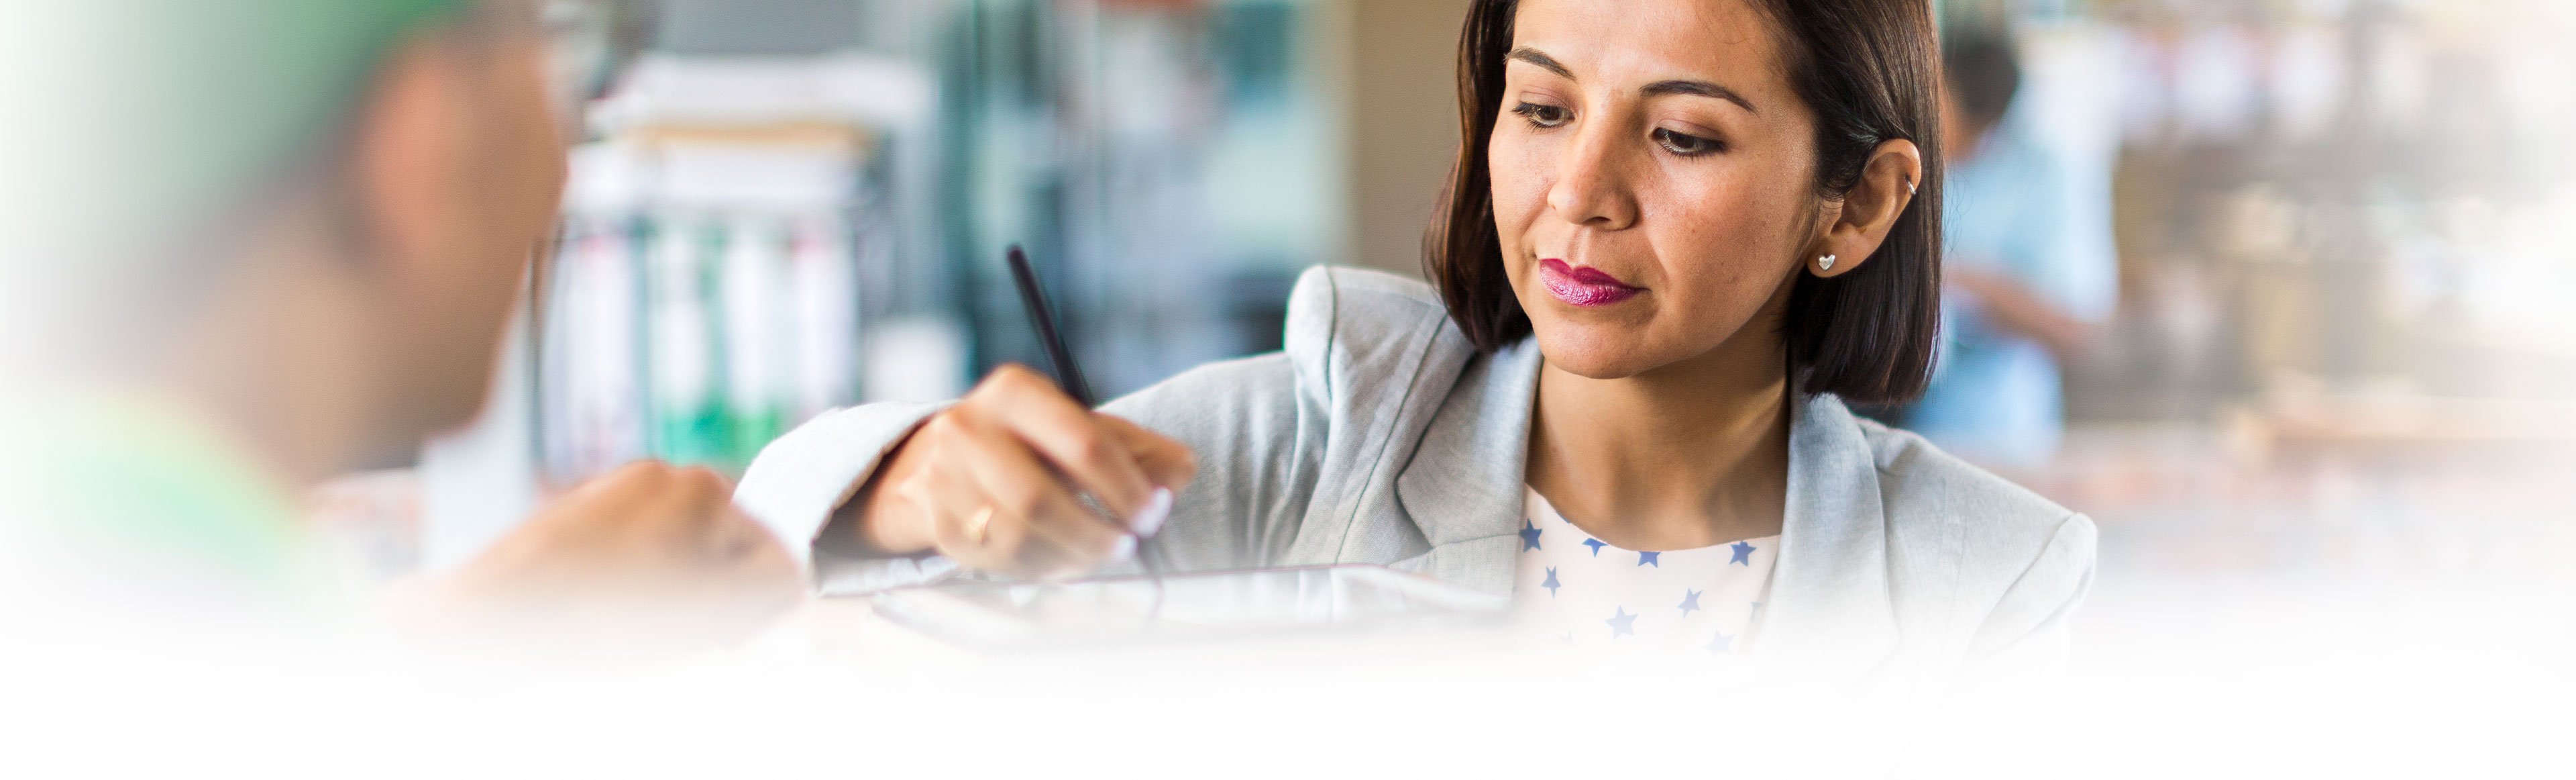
[(144, 118), (145, 478)]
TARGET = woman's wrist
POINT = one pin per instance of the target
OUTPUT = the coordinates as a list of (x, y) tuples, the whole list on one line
[(877, 520)]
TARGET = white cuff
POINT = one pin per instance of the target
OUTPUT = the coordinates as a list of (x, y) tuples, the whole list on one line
[(798, 480)]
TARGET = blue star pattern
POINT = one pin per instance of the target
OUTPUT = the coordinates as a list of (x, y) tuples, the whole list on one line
[(1563, 588), (1621, 624)]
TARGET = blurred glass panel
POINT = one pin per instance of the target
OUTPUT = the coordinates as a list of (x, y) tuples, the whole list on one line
[(1169, 165), (797, 204)]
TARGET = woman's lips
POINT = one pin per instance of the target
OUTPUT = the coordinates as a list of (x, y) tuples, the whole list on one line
[(1583, 286)]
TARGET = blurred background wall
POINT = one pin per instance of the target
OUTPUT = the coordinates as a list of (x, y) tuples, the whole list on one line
[(1402, 89)]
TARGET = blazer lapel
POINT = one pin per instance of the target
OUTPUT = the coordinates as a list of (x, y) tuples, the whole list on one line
[(1462, 488), (1829, 608)]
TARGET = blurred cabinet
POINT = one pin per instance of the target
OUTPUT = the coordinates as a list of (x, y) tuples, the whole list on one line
[(720, 243), (793, 205)]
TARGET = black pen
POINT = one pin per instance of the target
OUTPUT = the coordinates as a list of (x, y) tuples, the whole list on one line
[(1067, 373), (1043, 317)]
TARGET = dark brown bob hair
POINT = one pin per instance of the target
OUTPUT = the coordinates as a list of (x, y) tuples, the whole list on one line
[(1870, 72)]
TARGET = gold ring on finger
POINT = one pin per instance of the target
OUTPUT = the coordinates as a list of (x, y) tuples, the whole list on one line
[(979, 523)]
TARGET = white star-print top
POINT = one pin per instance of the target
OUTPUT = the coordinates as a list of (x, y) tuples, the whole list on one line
[(1584, 592)]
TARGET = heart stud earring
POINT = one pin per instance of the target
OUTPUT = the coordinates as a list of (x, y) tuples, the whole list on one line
[(1825, 263)]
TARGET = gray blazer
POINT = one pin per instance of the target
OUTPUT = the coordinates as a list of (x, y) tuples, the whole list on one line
[(1381, 436)]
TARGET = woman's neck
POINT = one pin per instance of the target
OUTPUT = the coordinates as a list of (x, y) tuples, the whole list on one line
[(1687, 455)]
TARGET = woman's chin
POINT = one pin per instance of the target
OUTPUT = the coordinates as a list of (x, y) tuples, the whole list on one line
[(1591, 353)]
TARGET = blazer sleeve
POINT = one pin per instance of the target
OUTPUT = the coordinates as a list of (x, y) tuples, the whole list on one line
[(2027, 631), (1240, 417), (2001, 717), (1258, 425)]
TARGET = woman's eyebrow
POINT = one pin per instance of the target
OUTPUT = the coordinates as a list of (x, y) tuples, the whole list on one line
[(1668, 87), (1699, 88), (1540, 58)]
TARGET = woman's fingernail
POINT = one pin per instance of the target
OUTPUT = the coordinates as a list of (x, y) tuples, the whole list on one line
[(1125, 549), (1157, 509)]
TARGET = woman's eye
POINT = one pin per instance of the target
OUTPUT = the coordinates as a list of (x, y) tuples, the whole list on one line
[(1685, 144), (1541, 114)]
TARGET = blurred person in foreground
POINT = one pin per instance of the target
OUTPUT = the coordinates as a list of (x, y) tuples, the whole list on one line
[(2029, 273), (257, 243)]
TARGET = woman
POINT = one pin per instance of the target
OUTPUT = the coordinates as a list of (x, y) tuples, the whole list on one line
[(1680, 235)]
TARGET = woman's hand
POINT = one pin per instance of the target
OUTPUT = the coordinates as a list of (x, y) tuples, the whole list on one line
[(1005, 482)]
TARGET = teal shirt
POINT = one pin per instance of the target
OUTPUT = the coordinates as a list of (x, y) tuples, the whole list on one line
[(140, 478), (2013, 210)]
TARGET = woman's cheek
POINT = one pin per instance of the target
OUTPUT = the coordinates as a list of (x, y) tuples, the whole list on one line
[(1521, 165)]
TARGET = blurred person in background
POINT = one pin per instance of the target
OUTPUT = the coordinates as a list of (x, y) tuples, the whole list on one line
[(254, 244), (2026, 283)]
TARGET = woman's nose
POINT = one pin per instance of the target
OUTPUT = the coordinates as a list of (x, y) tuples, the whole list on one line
[(1590, 188)]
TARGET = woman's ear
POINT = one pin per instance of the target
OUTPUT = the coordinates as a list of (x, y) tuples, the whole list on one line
[(1856, 226)]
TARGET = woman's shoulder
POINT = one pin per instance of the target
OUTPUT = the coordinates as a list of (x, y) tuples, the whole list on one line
[(1354, 334), (1363, 348), (1934, 498), (1338, 304)]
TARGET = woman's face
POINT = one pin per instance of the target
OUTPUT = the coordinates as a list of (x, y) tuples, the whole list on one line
[(1653, 179)]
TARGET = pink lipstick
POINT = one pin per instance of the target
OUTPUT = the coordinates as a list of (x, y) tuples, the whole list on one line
[(1583, 286)]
